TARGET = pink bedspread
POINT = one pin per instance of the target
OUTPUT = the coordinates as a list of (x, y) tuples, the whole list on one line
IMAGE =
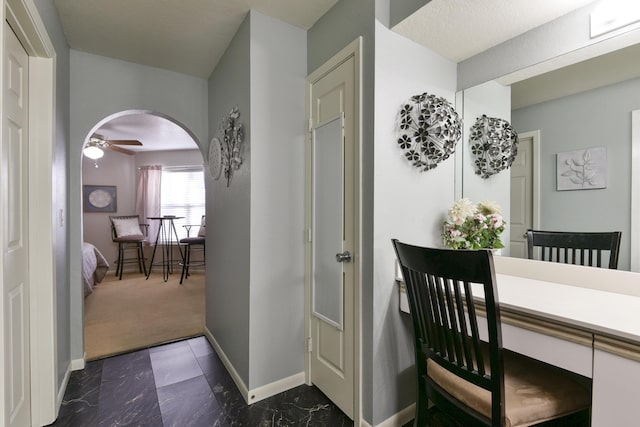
[(94, 267)]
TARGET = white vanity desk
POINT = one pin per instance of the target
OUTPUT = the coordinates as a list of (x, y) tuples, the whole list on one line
[(586, 320)]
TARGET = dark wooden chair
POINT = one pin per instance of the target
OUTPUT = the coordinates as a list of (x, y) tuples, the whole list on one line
[(475, 382), (191, 242), (129, 234), (574, 247)]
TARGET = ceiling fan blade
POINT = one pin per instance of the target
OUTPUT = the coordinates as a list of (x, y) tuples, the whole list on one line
[(121, 150), (124, 142)]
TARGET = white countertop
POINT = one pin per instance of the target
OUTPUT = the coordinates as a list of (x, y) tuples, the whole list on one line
[(612, 314)]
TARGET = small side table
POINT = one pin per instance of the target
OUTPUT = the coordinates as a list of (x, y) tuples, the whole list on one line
[(168, 231)]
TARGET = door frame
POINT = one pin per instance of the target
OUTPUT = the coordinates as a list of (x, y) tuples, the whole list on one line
[(354, 49), (535, 169), (45, 397)]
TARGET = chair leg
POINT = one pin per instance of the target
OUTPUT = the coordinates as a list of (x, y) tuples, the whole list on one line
[(422, 412), (423, 416), (120, 259), (141, 265), (186, 273), (185, 263)]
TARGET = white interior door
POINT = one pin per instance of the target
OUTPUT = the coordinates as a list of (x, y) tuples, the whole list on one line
[(521, 199), (15, 261), (523, 195), (333, 247)]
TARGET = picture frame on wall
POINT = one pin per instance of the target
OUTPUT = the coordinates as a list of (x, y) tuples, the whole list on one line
[(99, 198)]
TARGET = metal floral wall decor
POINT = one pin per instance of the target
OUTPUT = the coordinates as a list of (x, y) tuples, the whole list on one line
[(231, 144), (494, 145), (429, 130)]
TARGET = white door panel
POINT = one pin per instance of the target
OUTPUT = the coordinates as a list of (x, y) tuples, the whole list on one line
[(521, 218), (333, 118), (15, 283)]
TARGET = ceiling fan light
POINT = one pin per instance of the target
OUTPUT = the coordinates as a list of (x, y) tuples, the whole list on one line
[(93, 152)]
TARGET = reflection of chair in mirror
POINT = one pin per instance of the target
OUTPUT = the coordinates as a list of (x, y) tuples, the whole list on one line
[(129, 234), (582, 248), (190, 242), (476, 382)]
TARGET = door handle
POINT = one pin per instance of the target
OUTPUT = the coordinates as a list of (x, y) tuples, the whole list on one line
[(343, 257)]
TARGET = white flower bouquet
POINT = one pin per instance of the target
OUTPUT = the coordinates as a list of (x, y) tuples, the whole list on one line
[(471, 226)]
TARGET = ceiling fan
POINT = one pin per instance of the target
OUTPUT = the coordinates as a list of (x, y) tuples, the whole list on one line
[(97, 143)]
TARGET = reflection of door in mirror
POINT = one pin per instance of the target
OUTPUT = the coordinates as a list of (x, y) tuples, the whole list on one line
[(524, 197)]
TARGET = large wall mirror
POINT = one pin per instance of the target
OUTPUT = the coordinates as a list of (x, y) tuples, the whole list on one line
[(567, 93), (569, 112)]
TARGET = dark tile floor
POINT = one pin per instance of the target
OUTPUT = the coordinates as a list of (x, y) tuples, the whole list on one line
[(183, 384)]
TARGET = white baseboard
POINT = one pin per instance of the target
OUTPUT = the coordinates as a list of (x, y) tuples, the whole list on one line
[(63, 388), (79, 364), (259, 393), (225, 360), (271, 389), (396, 420)]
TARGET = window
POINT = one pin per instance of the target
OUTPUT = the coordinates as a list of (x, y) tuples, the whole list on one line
[(182, 194)]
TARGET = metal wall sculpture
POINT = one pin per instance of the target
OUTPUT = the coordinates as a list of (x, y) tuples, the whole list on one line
[(231, 144), (494, 145), (429, 130)]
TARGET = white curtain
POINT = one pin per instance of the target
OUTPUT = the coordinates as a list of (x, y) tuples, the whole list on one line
[(148, 198)]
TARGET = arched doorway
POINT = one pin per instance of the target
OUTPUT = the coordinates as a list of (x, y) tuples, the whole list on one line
[(139, 310)]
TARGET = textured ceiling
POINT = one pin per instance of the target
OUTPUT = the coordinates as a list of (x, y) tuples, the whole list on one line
[(187, 36), (459, 29), (190, 36)]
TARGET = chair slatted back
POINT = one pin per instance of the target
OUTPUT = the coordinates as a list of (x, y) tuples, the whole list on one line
[(445, 319), (580, 248)]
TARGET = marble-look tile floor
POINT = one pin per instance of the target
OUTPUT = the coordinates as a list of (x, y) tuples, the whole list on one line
[(182, 384)]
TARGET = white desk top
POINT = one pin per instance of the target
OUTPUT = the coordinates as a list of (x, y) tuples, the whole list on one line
[(597, 311)]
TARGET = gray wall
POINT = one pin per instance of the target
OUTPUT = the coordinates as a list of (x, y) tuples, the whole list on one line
[(597, 118), (101, 87), (341, 25), (49, 16), (278, 71), (229, 212), (409, 205), (255, 294)]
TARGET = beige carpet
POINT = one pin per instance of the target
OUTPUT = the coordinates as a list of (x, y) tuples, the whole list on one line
[(132, 313)]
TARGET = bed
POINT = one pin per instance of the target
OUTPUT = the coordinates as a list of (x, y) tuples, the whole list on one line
[(94, 267)]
